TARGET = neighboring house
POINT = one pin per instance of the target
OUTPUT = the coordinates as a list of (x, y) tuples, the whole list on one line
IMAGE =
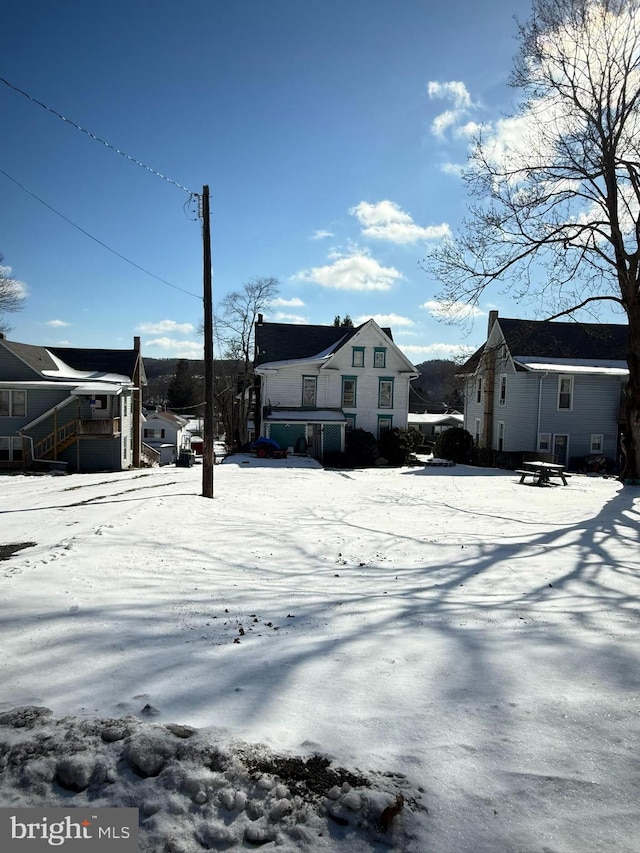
[(81, 408), (431, 425), (547, 387), (167, 433), (315, 382)]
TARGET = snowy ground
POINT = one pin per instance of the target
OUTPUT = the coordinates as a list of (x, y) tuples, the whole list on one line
[(446, 635)]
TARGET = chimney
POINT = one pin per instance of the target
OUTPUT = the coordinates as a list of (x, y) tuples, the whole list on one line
[(136, 344), (1, 336), (260, 319), (493, 316)]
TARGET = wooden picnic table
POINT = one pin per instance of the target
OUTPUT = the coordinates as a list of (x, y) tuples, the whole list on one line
[(543, 473)]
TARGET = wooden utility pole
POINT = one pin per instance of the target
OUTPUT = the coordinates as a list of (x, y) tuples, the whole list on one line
[(208, 437)]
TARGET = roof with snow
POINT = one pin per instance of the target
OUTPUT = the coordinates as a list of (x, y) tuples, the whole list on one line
[(68, 363), (291, 342), (535, 342)]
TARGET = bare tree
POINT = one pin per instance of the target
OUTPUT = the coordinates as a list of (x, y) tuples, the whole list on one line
[(556, 215), (11, 295), (235, 325)]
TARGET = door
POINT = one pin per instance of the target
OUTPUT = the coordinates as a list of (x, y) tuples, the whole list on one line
[(560, 448)]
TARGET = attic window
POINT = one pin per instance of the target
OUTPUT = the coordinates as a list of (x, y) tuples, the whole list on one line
[(357, 358), (379, 357)]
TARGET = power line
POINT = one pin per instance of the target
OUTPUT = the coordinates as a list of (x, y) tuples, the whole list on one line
[(96, 138), (96, 240)]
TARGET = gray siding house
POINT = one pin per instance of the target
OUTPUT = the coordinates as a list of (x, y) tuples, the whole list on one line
[(547, 387), (77, 408), (315, 382)]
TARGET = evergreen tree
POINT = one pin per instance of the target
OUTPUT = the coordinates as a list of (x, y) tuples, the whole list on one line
[(183, 391)]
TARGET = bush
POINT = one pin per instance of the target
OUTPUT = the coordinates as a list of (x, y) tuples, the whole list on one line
[(455, 444), (417, 438), (397, 445), (362, 447)]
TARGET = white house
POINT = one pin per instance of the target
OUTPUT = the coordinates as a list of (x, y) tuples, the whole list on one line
[(316, 382), (167, 433)]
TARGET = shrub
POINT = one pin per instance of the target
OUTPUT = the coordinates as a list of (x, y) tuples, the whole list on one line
[(455, 444), (417, 438), (397, 445), (361, 447)]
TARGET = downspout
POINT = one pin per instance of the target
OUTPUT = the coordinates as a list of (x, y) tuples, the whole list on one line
[(542, 378)]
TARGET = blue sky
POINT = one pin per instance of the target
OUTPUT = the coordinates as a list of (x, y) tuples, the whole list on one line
[(329, 133)]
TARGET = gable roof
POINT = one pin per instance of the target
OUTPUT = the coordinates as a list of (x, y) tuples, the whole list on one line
[(291, 342), (169, 417), (565, 340), (545, 339), (46, 361)]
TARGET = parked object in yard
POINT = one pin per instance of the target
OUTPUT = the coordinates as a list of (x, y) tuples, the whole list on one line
[(185, 459), (267, 448)]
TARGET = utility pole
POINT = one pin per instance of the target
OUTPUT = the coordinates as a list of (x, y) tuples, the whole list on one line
[(208, 436)]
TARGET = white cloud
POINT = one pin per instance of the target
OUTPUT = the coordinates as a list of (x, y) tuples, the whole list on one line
[(321, 234), (288, 303), (471, 128), (57, 323), (281, 317), (176, 348), (454, 169), (357, 271), (64, 343), (455, 92), (384, 320), (385, 220), (452, 310), (165, 326), (444, 121), (437, 350)]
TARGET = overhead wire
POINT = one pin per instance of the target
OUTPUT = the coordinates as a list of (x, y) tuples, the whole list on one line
[(96, 240), (96, 138)]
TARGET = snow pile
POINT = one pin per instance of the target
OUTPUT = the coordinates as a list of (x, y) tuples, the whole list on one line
[(195, 791)]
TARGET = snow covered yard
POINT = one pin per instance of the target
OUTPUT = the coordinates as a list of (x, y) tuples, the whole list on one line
[(444, 634)]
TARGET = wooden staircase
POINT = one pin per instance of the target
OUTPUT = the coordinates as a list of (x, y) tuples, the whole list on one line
[(54, 443)]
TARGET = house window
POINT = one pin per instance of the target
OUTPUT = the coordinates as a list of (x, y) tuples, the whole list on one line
[(124, 407), (565, 393), (10, 449), (597, 442), (385, 394), (500, 435), (476, 432), (502, 398), (153, 433), (357, 356), (544, 442), (351, 421), (379, 357), (13, 403), (385, 423), (309, 387), (479, 389), (349, 392)]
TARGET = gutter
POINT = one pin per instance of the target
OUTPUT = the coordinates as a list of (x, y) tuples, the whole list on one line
[(542, 378)]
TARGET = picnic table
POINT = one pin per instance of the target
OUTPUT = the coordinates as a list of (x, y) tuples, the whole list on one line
[(543, 473)]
